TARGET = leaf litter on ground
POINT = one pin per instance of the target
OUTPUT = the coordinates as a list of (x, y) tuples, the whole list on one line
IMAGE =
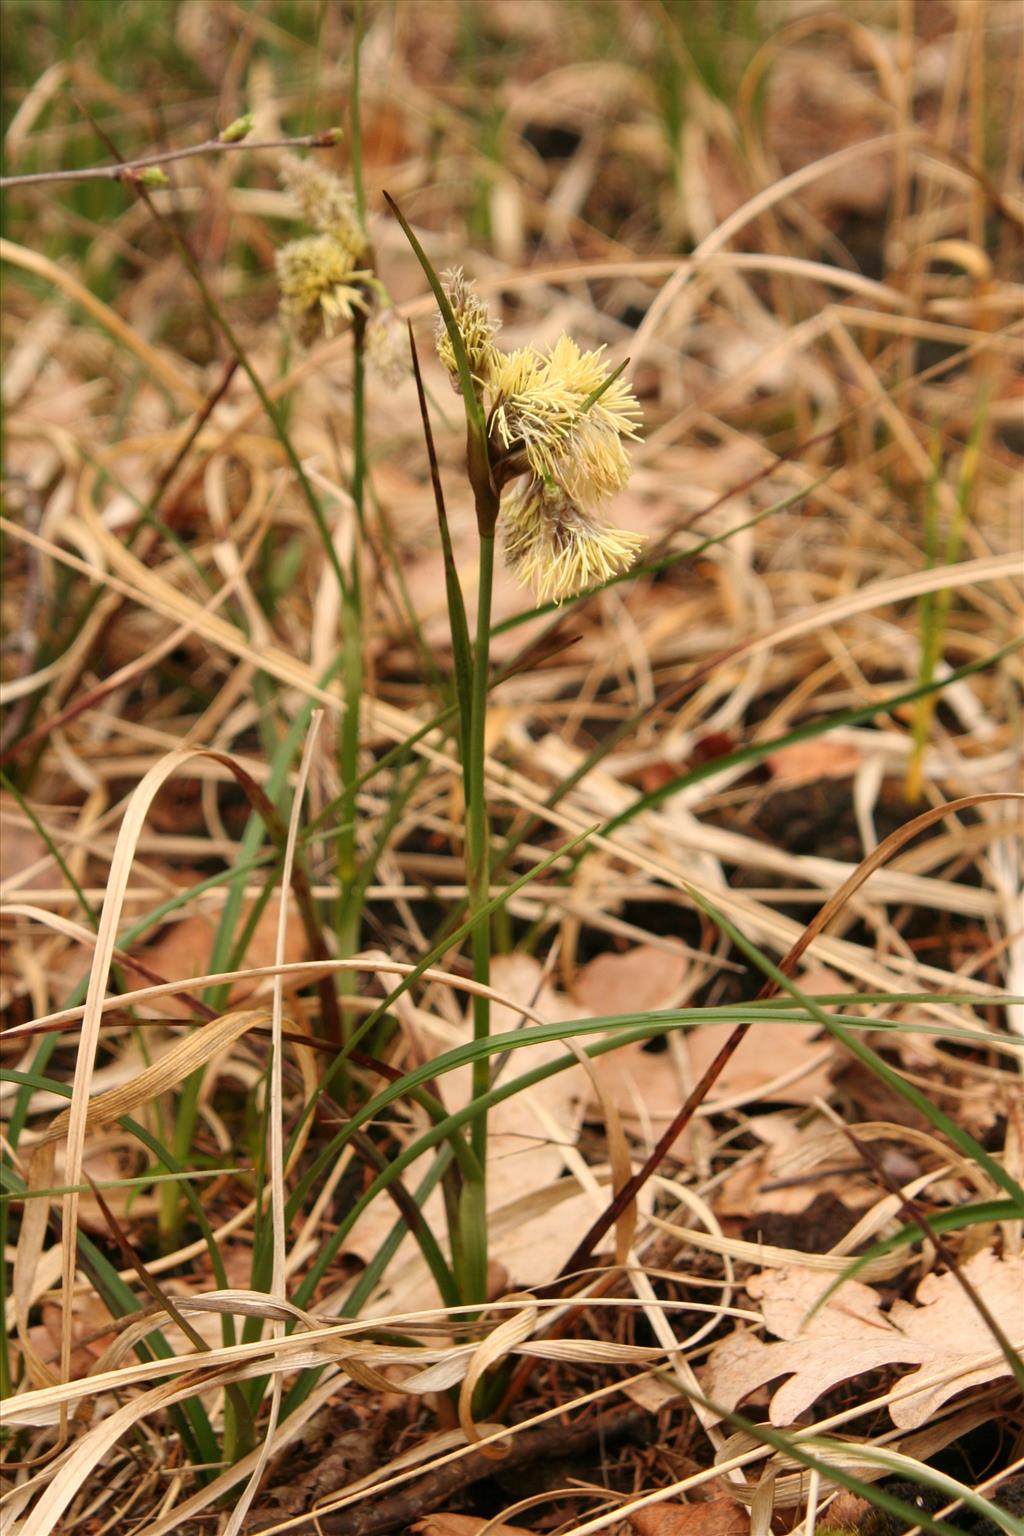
[(941, 1333)]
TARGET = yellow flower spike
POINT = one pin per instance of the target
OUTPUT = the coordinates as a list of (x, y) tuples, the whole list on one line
[(559, 549), (324, 201), (544, 410), (320, 284), (477, 327)]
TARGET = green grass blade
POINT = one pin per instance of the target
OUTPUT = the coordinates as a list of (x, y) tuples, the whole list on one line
[(961, 1139), (474, 410), (757, 751)]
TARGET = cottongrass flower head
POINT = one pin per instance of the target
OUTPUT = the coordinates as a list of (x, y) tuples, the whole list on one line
[(555, 546), (325, 278), (558, 423), (321, 286), (477, 327), (387, 346), (562, 418), (324, 201)]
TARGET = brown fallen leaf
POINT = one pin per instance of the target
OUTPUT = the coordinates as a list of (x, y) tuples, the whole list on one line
[(464, 1525), (805, 762), (770, 1051), (184, 948), (851, 1335), (848, 1511), (646, 1089), (647, 1092), (20, 847), (639, 980), (791, 1172), (718, 1517)]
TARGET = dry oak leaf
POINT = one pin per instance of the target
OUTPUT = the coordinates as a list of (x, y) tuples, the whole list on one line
[(718, 1517), (943, 1333)]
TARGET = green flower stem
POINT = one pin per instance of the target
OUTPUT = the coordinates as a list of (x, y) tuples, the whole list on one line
[(478, 861), (355, 119), (349, 909), (477, 825), (274, 413)]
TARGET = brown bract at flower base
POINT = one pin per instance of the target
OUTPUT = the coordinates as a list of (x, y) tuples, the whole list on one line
[(557, 422)]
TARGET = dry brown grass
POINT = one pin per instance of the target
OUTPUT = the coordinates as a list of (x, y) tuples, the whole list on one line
[(841, 337)]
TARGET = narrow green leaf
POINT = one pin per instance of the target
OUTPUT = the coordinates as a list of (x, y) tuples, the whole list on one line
[(458, 624), (606, 384), (474, 410), (960, 1138)]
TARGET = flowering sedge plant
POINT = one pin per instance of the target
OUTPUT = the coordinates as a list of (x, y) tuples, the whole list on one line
[(327, 280), (553, 427)]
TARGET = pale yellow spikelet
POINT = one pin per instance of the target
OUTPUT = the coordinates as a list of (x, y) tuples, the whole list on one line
[(531, 405), (321, 287), (558, 548), (477, 327), (544, 412), (324, 201)]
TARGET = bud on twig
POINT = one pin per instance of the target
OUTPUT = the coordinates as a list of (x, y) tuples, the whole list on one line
[(138, 171), (237, 130)]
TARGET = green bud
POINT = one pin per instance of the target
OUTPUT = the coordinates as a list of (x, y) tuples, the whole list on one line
[(153, 176), (330, 136), (237, 130)]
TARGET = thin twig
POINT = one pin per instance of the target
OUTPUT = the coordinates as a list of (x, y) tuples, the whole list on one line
[(437, 1485), (129, 170)]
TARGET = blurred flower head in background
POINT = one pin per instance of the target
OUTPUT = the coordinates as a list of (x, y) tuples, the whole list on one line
[(327, 279), (321, 286)]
